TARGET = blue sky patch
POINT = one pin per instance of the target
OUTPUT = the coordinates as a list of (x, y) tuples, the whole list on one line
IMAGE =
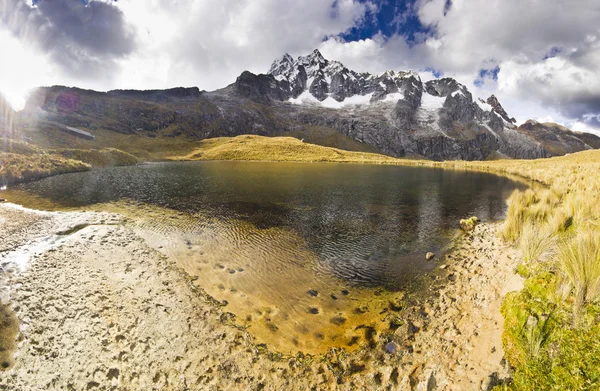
[(392, 17), (555, 51), (436, 73), (486, 74)]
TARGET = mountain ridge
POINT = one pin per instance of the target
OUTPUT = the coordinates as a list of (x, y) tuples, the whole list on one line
[(394, 113)]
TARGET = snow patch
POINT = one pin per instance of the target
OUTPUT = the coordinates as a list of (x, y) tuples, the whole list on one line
[(396, 96), (431, 102), (304, 98), (483, 105), (307, 98)]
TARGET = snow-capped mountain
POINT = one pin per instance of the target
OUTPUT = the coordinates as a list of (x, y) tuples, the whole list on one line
[(321, 101), (440, 107), (313, 78)]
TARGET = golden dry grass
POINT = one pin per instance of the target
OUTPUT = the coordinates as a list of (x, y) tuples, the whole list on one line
[(250, 147), (579, 261), (535, 241)]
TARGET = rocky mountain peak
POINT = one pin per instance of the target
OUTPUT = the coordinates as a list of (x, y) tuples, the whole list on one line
[(313, 58), (314, 79), (493, 101), (443, 87), (282, 65)]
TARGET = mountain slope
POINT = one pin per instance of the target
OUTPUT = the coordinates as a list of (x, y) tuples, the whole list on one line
[(394, 113)]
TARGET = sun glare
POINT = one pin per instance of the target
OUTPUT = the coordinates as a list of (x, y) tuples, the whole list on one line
[(21, 70)]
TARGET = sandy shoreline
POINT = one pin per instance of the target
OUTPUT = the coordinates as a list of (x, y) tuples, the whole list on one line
[(100, 309)]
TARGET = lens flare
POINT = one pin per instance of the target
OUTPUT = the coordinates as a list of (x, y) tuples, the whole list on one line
[(20, 71)]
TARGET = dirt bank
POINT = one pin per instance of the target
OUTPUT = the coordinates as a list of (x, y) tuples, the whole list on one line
[(100, 309)]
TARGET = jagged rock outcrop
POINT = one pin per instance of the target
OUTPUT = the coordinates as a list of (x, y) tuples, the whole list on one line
[(394, 112), (320, 78), (493, 101)]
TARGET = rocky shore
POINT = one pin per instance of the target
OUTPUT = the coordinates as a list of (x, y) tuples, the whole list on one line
[(99, 309)]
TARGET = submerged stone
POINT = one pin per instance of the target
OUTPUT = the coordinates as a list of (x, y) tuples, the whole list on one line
[(391, 348), (338, 320)]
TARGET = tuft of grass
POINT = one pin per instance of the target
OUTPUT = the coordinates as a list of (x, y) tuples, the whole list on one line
[(535, 332), (515, 216), (579, 264), (569, 359), (535, 241), (560, 221)]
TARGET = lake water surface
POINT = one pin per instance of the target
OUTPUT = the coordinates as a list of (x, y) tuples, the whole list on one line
[(308, 256)]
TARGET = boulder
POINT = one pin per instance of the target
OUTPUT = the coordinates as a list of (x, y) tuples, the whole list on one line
[(468, 225)]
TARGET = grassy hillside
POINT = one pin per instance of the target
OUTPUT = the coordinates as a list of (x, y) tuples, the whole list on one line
[(159, 145), (16, 167), (250, 147), (98, 157), (24, 162), (143, 147), (328, 137)]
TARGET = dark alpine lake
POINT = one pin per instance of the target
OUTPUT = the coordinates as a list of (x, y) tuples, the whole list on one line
[(285, 243)]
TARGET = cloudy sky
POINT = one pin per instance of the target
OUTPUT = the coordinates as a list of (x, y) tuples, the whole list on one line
[(540, 57)]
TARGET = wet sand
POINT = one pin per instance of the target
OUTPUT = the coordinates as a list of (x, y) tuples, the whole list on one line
[(100, 309)]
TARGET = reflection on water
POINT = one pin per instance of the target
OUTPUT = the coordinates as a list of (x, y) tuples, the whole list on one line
[(307, 255)]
